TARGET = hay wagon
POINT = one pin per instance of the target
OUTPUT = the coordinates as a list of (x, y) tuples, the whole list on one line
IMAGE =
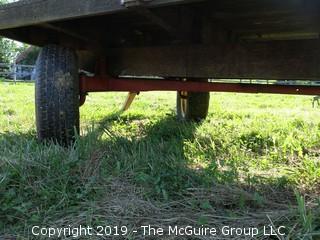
[(169, 45)]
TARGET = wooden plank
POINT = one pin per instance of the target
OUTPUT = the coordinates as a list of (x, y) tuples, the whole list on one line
[(30, 12), (238, 18), (262, 60)]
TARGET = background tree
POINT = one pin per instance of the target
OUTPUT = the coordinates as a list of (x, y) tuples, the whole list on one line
[(9, 49)]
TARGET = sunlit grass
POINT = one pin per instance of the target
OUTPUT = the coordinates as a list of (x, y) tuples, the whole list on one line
[(266, 145)]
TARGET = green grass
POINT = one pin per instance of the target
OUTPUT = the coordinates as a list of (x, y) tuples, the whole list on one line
[(255, 160)]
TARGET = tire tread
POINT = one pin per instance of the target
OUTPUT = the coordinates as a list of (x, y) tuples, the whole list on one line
[(57, 94)]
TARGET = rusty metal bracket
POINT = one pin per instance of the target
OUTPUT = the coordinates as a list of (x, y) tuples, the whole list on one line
[(131, 96)]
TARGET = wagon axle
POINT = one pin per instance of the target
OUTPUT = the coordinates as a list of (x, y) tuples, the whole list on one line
[(111, 84)]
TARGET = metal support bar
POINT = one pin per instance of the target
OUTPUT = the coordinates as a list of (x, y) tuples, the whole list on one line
[(109, 84), (131, 96), (66, 31), (133, 3), (139, 7)]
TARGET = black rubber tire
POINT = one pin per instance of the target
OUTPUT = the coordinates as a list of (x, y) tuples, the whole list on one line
[(197, 105), (57, 94)]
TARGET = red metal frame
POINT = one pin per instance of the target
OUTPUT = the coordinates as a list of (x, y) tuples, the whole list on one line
[(109, 84)]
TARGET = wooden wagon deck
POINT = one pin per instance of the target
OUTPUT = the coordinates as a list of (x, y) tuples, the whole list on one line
[(265, 39)]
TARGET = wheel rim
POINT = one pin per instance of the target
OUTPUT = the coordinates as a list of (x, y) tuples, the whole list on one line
[(183, 103)]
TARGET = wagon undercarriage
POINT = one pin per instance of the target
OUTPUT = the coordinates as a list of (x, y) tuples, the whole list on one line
[(176, 45)]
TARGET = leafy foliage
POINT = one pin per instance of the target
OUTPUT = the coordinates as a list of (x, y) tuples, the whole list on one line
[(9, 48)]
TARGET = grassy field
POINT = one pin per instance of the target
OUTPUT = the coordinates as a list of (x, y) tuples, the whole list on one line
[(254, 162)]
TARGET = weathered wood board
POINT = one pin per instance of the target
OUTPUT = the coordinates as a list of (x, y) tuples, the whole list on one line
[(262, 39), (264, 60)]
